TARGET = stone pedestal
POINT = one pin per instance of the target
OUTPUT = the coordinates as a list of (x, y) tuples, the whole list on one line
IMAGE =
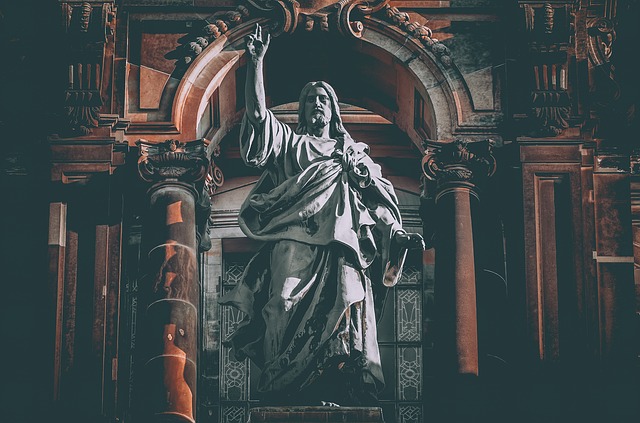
[(301, 414)]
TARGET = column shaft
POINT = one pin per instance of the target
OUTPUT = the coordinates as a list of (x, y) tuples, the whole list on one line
[(455, 266), (172, 300), (170, 290)]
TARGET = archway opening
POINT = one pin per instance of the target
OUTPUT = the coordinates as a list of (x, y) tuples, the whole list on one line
[(362, 73)]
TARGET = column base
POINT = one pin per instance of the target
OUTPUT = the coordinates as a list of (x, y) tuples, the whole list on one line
[(302, 414)]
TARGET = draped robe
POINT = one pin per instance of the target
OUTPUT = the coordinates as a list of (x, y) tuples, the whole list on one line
[(308, 294)]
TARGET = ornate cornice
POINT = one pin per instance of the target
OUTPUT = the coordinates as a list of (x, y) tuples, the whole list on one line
[(173, 160), (461, 161)]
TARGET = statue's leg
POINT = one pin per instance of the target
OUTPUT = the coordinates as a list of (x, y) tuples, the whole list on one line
[(291, 278)]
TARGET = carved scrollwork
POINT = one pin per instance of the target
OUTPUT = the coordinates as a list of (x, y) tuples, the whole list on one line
[(173, 160), (459, 161), (602, 35), (215, 177), (288, 11), (323, 15), (350, 26)]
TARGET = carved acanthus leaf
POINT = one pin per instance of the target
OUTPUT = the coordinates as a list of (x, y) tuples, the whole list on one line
[(82, 110), (173, 160), (459, 161), (549, 112)]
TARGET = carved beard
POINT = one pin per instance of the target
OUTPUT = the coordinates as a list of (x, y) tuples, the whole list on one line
[(318, 121)]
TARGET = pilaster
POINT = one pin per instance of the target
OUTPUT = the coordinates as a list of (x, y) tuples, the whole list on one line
[(85, 241)]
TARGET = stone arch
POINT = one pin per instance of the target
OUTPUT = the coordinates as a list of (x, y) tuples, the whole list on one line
[(447, 100)]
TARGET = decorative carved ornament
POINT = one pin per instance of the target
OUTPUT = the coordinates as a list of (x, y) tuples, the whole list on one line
[(89, 17), (82, 109), (605, 90), (218, 24), (89, 25), (173, 160), (214, 178), (421, 32), (601, 37), (550, 112), (459, 161), (319, 15), (550, 28), (344, 16)]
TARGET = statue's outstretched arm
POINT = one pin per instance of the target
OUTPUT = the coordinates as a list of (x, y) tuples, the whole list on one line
[(254, 88)]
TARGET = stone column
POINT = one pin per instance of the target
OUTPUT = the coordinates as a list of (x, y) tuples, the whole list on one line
[(170, 292), (456, 167)]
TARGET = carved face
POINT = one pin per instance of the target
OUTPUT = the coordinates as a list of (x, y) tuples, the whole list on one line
[(317, 108)]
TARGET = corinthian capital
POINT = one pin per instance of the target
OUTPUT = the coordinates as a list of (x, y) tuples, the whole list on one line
[(173, 161), (461, 161)]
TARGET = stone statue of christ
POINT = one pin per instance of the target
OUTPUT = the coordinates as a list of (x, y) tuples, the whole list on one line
[(333, 234)]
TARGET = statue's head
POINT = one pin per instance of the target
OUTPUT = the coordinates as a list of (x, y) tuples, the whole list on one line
[(318, 107)]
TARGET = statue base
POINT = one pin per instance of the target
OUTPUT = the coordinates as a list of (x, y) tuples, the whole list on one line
[(300, 414)]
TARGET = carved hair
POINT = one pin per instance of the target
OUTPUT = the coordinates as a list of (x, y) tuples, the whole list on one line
[(336, 129)]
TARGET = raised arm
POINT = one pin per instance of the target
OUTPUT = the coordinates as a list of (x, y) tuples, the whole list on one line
[(254, 88)]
